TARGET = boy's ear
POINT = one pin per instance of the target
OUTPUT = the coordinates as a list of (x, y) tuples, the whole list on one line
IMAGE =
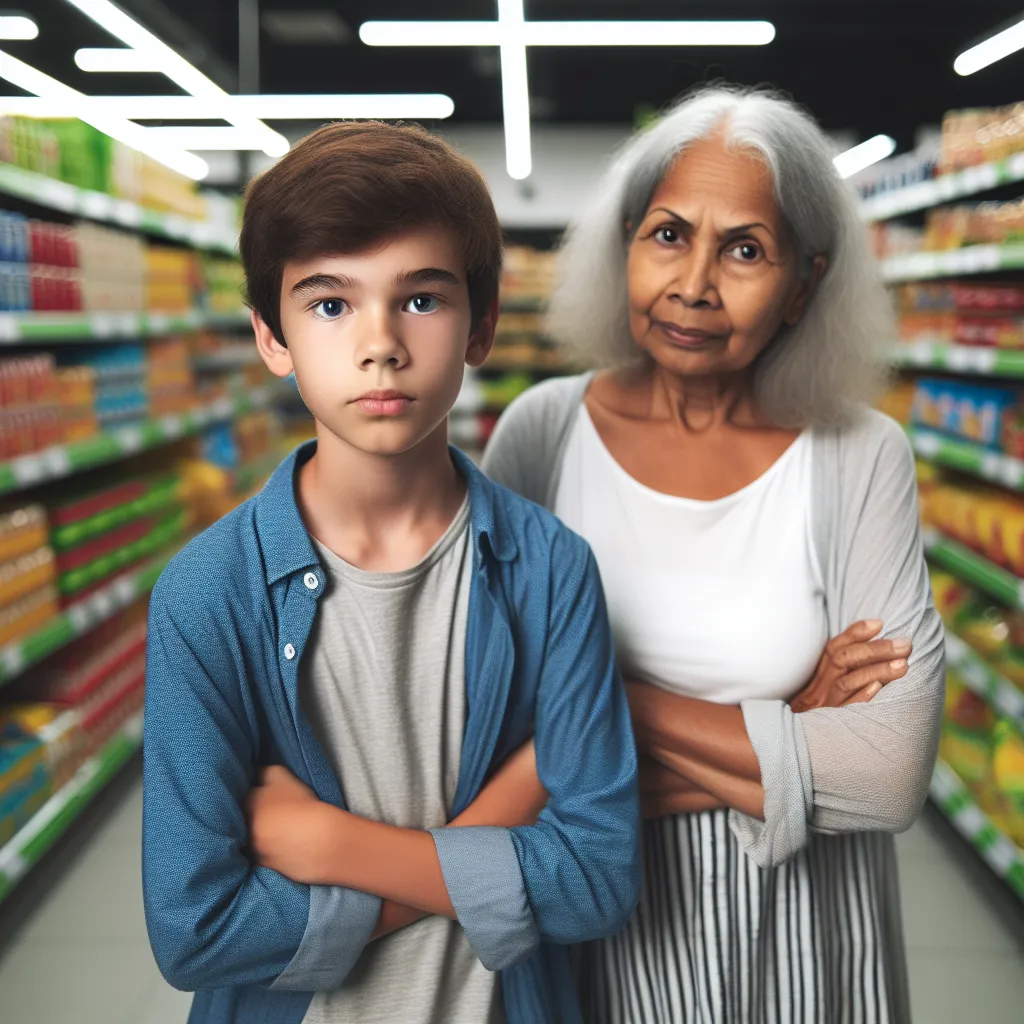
[(481, 340), (272, 352)]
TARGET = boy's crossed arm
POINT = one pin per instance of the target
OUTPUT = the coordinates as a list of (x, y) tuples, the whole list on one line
[(296, 834)]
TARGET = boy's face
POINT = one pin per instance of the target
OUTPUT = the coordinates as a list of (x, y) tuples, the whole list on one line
[(378, 341)]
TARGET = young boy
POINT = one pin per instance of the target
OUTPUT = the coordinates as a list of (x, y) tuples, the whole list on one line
[(387, 751)]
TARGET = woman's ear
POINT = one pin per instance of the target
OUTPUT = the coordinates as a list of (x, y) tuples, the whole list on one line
[(798, 304)]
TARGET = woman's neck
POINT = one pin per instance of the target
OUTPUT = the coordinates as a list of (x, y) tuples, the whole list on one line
[(705, 402)]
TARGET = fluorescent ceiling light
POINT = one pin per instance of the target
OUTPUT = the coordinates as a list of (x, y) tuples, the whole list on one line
[(1001, 45), (163, 59), (384, 106), (512, 34), (113, 58), (568, 33), (864, 155), (17, 26), (515, 93), (31, 79)]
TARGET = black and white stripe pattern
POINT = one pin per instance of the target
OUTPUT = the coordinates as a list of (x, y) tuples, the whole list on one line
[(718, 940)]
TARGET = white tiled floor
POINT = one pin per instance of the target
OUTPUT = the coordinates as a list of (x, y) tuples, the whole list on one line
[(79, 955)]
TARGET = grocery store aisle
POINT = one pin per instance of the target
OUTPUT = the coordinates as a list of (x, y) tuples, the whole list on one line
[(77, 951)]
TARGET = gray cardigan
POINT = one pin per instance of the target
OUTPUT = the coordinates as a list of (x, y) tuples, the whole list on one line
[(833, 770)]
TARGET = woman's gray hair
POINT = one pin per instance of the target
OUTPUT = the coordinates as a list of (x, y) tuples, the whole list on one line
[(813, 373)]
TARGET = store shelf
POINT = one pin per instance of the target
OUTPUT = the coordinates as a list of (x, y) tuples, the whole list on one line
[(974, 569), (944, 188), (220, 362), (64, 460), (59, 195), (967, 457), (525, 304), (998, 851), (972, 259), (965, 359), (79, 327), (50, 822), (985, 680), (80, 617)]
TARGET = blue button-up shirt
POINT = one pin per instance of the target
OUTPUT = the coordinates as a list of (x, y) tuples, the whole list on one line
[(229, 621)]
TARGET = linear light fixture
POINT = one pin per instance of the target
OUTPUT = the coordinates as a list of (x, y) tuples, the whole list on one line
[(568, 33), (879, 147), (512, 34), (113, 58), (996, 47), (269, 106), (18, 26), (163, 59), (77, 104)]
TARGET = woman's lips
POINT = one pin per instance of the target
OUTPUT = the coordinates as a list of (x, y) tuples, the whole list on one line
[(688, 337), (383, 403)]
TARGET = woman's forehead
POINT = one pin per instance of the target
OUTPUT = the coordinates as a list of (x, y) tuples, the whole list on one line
[(728, 178)]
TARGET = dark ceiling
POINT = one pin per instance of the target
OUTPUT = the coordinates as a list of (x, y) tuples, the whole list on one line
[(865, 66)]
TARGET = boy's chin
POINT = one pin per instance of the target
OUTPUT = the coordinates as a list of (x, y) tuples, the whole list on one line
[(391, 439)]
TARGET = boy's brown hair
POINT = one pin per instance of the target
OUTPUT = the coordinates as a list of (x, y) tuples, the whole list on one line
[(351, 185)]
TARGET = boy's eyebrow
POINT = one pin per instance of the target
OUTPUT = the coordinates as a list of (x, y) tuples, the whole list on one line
[(428, 275), (319, 283)]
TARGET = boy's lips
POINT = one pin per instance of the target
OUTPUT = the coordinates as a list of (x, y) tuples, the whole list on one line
[(383, 402)]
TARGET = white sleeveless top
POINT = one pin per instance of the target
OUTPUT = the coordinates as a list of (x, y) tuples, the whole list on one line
[(721, 600)]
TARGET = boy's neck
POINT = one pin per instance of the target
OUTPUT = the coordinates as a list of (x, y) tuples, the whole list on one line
[(381, 513)]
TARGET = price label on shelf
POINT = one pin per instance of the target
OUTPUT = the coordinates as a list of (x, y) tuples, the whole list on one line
[(1001, 856), (12, 658), (10, 329), (57, 461), (130, 439), (928, 445), (103, 603), (126, 213), (159, 323), (28, 470), (96, 204), (101, 325), (970, 820), (124, 590), (80, 617), (172, 426), (1010, 472)]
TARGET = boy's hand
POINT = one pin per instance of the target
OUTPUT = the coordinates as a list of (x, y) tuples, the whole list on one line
[(290, 830)]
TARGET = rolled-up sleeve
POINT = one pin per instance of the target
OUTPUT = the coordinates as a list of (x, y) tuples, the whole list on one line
[(575, 874), (865, 767)]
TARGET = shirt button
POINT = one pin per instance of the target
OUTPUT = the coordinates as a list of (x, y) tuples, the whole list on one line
[(289, 651), (311, 581)]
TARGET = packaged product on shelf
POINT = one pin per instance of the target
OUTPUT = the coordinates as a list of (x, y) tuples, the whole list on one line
[(1008, 780), (980, 135), (24, 778), (112, 267), (967, 736), (29, 404), (898, 401), (987, 223), (172, 279), (973, 411), (224, 280), (22, 617)]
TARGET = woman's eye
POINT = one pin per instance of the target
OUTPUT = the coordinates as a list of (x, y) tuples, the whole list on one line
[(667, 235), (423, 304), (746, 252), (329, 309)]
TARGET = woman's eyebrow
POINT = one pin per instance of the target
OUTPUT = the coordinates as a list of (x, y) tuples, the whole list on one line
[(316, 283), (735, 230)]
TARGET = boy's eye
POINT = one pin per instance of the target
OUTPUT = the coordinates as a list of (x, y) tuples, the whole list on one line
[(329, 309), (422, 304)]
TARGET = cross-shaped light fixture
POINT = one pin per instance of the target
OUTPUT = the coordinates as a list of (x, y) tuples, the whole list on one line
[(512, 34)]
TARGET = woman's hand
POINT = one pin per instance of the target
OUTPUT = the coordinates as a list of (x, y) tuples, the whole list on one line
[(853, 668), (663, 792)]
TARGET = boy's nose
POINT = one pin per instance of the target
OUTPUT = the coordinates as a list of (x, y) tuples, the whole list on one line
[(380, 344)]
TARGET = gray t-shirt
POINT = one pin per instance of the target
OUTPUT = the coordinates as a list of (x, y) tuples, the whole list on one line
[(383, 684)]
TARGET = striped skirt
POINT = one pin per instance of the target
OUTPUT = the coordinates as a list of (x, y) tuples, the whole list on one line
[(718, 940)]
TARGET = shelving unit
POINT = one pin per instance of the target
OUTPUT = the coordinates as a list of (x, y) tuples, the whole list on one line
[(93, 327), (79, 618), (52, 820), (960, 359), (1001, 854), (59, 195), (971, 259), (967, 457), (985, 680), (109, 446), (944, 189), (975, 569)]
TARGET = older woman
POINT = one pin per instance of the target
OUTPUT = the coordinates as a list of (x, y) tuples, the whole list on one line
[(744, 504)]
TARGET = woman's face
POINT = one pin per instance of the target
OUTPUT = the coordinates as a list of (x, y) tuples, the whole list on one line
[(712, 271)]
